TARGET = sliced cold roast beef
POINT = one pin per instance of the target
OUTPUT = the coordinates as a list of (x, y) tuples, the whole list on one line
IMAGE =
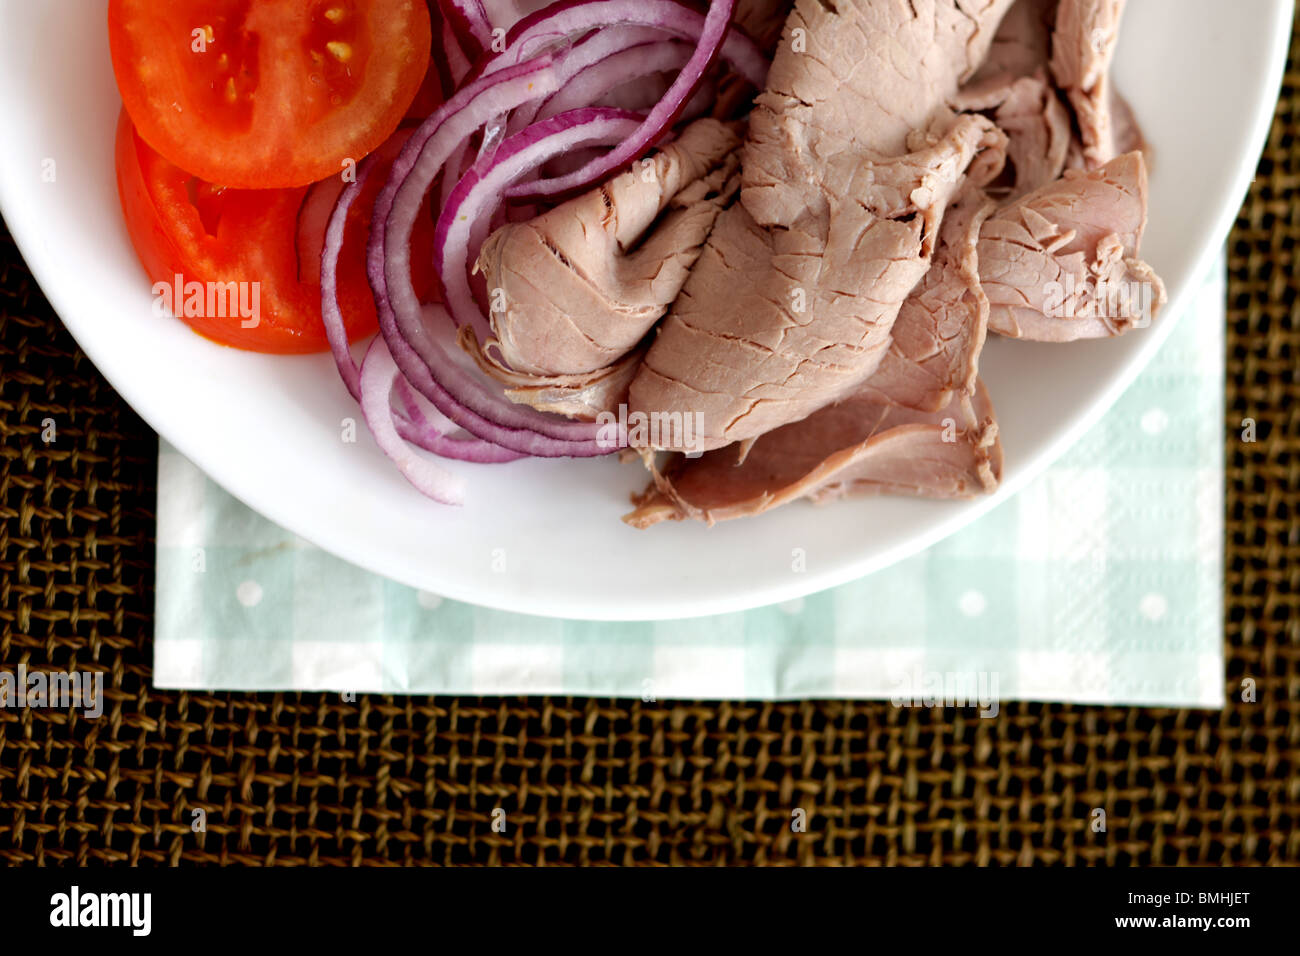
[(1062, 262), (851, 159), (573, 291), (1014, 86), (1048, 54), (1021, 47), (1083, 46), (854, 447), (922, 424), (941, 328)]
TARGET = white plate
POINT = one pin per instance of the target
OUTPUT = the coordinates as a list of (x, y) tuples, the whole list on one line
[(1203, 83)]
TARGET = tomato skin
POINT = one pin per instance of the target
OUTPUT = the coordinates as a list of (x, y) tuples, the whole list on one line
[(254, 241), (267, 94)]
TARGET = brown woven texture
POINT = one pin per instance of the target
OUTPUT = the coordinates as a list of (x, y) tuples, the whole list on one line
[(309, 779)]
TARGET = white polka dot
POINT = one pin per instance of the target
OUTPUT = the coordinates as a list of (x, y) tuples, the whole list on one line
[(972, 604), (427, 601), (792, 607), (249, 593), (1153, 606), (1154, 421)]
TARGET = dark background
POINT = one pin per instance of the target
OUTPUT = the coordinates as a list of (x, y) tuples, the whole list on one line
[(306, 778)]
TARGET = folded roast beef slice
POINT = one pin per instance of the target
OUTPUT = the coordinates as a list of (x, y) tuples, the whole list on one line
[(1048, 54), (583, 396), (941, 328), (1014, 85), (762, 20), (1037, 125), (851, 158), (574, 290), (1021, 46), (921, 424), (775, 323), (1062, 262), (855, 81), (1083, 45), (854, 447)]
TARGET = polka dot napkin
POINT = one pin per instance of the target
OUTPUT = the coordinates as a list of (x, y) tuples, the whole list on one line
[(1101, 581)]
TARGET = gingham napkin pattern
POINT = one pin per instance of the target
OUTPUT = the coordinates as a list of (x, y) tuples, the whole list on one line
[(1100, 582)]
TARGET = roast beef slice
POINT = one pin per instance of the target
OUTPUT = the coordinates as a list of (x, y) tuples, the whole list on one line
[(775, 323), (1083, 46), (1062, 262), (574, 290), (922, 424), (854, 447)]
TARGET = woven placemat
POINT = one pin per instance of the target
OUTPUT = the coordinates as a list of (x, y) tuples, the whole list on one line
[(309, 778)]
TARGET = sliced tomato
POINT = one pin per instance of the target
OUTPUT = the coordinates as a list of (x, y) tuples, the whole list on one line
[(267, 94), (189, 232)]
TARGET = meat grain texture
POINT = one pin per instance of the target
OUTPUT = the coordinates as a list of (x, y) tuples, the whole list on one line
[(817, 285)]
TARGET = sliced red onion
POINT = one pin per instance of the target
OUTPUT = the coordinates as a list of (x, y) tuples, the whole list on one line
[(458, 64), (588, 51), (478, 194), (469, 22), (623, 66), (561, 21), (430, 366), (457, 164), (378, 373), (330, 312), (419, 425), (661, 117)]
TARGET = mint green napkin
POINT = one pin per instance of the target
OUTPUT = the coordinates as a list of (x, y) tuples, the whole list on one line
[(1100, 582)]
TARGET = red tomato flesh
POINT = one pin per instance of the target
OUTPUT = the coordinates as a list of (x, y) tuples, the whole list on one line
[(267, 94), (213, 235)]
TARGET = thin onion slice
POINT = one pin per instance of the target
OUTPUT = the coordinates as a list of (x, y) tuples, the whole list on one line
[(560, 22), (461, 394), (581, 56), (330, 312), (469, 24), (715, 29), (418, 425), (623, 66), (479, 191), (378, 373)]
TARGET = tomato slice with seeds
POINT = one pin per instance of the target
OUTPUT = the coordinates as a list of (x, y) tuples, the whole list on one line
[(267, 94), (184, 227)]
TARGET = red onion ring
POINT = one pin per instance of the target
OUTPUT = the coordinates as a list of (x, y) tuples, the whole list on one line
[(587, 52), (563, 20), (478, 194), (469, 24), (419, 424), (378, 373), (716, 27), (457, 64), (463, 395), (422, 424), (330, 312), (623, 66)]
